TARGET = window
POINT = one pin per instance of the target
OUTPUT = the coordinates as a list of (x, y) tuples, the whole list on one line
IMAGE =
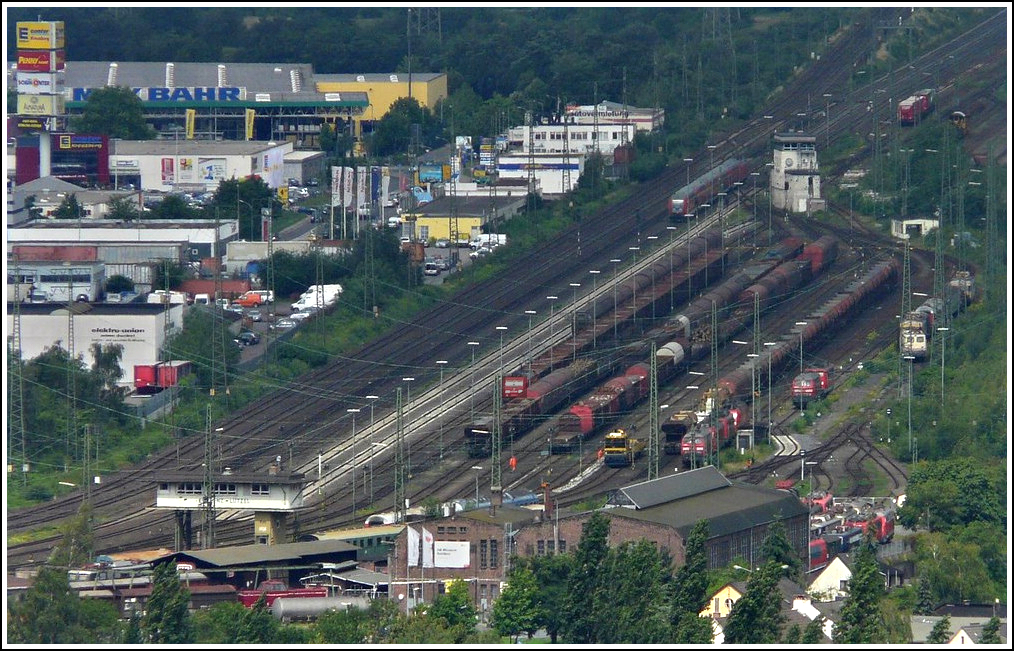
[(225, 489), (550, 546), (493, 560), (162, 488), (440, 529), (189, 488), (462, 529), (259, 489), (563, 546), (483, 564), (542, 548)]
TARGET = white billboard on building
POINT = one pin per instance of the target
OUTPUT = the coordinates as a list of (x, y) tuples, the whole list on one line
[(140, 333), (451, 553)]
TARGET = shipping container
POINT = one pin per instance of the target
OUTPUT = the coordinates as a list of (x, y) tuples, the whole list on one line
[(169, 374), (145, 378)]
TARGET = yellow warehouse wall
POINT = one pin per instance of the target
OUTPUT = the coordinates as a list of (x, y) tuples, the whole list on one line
[(382, 94)]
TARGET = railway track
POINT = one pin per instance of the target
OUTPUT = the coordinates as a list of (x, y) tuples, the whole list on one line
[(308, 417)]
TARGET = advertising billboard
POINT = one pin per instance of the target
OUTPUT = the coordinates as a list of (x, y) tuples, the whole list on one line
[(41, 105), (41, 60), (39, 83), (41, 35), (211, 169), (451, 553), (431, 173), (168, 171), (78, 142)]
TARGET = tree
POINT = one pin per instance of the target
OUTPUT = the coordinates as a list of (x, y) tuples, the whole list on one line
[(114, 111), (454, 606), (632, 603), (581, 625), (123, 209), (172, 206), (689, 590), (516, 611), (925, 605), (167, 619), (756, 618), (69, 208), (991, 631), (119, 283), (941, 632), (551, 573), (219, 624), (168, 275), (777, 549), (49, 600), (859, 621), (814, 632), (258, 626), (77, 546), (341, 627)]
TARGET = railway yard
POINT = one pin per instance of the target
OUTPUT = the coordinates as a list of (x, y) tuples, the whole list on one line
[(407, 406)]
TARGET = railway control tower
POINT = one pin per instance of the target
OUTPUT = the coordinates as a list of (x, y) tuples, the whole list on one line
[(795, 177), (271, 496)]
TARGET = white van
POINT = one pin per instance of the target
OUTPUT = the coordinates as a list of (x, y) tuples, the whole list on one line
[(202, 299)]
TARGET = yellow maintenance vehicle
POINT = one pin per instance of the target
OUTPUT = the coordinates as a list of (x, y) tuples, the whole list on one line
[(621, 449)]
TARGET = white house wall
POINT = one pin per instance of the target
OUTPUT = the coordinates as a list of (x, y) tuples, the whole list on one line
[(141, 336)]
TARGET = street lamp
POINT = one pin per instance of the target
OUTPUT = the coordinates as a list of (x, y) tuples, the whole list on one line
[(672, 299), (801, 324), (616, 268), (408, 441), (573, 333), (371, 398), (353, 411), (441, 363), (911, 364), (803, 463), (711, 166), (254, 231), (633, 251), (595, 275), (552, 326), (769, 343), (688, 161), (501, 330), (943, 362), (472, 345), (530, 314), (827, 114), (753, 396), (478, 470)]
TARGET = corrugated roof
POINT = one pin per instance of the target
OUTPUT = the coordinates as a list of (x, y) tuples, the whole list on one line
[(361, 532), (672, 487), (255, 77), (253, 554), (371, 77), (366, 577), (504, 514), (735, 507)]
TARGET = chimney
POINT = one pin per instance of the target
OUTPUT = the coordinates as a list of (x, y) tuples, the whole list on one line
[(111, 77), (223, 78), (296, 80), (547, 503), (170, 75)]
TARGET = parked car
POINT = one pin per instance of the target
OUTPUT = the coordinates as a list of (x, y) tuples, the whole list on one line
[(284, 324), (431, 269), (442, 243), (442, 262), (480, 252), (255, 315), (247, 338)]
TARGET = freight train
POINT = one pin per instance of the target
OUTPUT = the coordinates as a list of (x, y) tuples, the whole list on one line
[(734, 387), (917, 327), (686, 338), (685, 201)]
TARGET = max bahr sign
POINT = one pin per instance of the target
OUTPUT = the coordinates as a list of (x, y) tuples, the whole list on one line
[(179, 94)]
